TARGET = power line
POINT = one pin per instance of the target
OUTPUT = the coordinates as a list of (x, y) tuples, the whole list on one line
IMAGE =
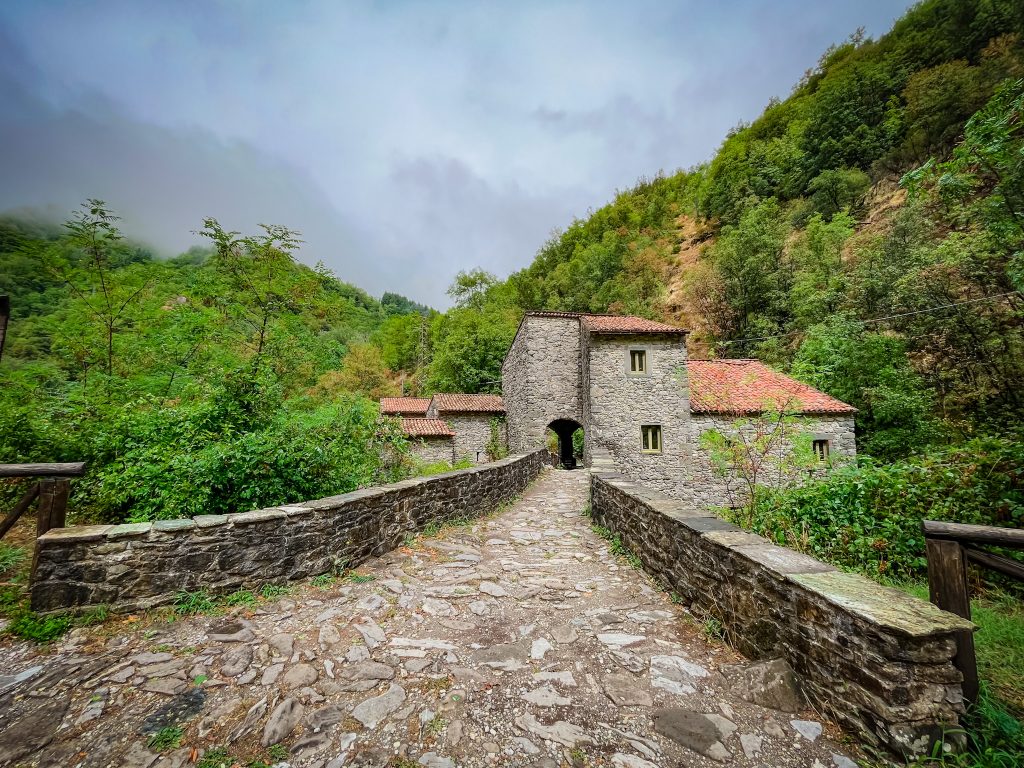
[(879, 319)]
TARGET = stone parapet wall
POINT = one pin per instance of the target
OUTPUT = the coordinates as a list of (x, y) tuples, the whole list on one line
[(140, 565), (875, 659)]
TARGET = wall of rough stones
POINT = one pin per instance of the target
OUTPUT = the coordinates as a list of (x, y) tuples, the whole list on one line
[(473, 433), (875, 659), (431, 450), (617, 404), (541, 379), (711, 488), (139, 565)]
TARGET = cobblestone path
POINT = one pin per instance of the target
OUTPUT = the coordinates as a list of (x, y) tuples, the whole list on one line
[(519, 640)]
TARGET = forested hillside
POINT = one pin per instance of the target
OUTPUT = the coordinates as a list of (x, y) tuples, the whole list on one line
[(864, 234), (228, 378)]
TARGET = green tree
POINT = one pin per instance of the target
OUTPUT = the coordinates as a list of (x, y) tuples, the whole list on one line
[(261, 275), (870, 371), (106, 296)]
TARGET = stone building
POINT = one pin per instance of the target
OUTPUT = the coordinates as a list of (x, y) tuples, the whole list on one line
[(727, 395), (430, 440), (472, 418), (450, 427), (627, 383)]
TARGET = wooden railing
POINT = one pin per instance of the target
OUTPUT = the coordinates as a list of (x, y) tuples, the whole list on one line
[(950, 547), (52, 491)]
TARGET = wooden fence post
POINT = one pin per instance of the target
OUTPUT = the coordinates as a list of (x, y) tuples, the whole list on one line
[(947, 588), (53, 504)]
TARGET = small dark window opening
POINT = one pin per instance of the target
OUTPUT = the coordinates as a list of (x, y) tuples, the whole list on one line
[(820, 448), (637, 361), (650, 438)]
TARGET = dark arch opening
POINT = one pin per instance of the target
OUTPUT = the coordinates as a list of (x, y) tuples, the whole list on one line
[(565, 429)]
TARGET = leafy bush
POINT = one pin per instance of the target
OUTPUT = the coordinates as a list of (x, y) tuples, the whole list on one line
[(868, 516), (39, 629), (223, 455), (10, 556)]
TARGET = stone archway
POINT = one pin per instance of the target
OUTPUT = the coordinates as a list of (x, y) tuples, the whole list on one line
[(565, 428)]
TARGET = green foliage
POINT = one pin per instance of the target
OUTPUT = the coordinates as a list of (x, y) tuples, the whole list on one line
[(11, 556), (218, 757), (165, 739), (241, 449), (616, 547), (323, 581), (277, 752), (759, 454), (241, 597), (836, 190), (870, 371), (39, 629), (270, 591), (191, 603), (470, 341), (436, 468), (361, 578), (205, 383), (867, 517), (496, 448)]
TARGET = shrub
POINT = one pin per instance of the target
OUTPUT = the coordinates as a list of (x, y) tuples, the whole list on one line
[(39, 629), (868, 516)]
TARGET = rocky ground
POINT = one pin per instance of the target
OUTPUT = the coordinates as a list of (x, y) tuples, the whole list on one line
[(520, 640)]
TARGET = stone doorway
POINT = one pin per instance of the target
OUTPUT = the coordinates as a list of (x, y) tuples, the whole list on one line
[(565, 429)]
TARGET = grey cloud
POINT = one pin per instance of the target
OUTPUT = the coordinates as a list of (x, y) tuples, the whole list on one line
[(406, 141)]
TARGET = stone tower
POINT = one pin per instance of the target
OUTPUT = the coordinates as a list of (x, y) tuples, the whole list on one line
[(619, 378)]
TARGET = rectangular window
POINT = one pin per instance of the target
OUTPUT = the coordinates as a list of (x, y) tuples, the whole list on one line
[(820, 448), (637, 361), (651, 438)]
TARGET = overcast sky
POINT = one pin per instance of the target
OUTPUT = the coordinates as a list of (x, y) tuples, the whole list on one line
[(405, 140)]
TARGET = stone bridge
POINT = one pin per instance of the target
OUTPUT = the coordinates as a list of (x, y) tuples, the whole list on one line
[(520, 638)]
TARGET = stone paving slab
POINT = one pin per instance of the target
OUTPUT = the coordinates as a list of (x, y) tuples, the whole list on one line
[(518, 641)]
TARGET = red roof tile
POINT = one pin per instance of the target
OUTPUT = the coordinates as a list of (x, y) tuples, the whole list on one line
[(426, 428), (627, 324), (460, 403), (397, 406), (749, 387)]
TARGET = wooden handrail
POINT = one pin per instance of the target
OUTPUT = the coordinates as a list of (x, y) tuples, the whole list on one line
[(74, 469), (52, 489), (979, 534), (1004, 565), (948, 550)]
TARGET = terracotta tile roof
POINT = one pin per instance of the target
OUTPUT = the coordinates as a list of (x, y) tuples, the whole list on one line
[(627, 324), (427, 428), (403, 405), (460, 403), (552, 313), (749, 387)]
